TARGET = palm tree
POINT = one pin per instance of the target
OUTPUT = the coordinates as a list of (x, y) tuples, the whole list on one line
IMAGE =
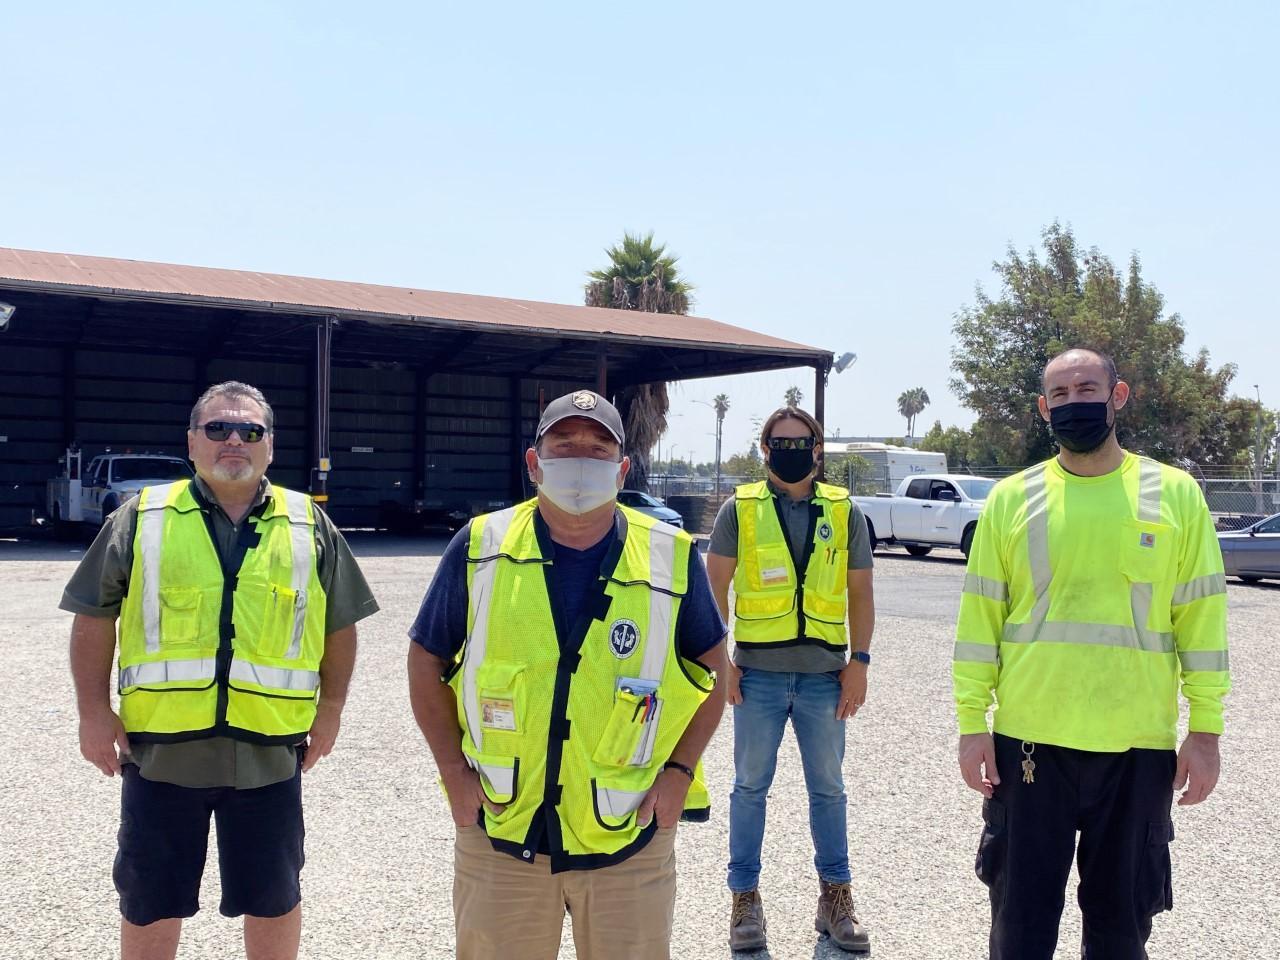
[(910, 404), (721, 403), (794, 396), (640, 276)]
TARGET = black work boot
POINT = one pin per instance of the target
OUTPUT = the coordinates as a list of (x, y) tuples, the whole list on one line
[(746, 922), (836, 918)]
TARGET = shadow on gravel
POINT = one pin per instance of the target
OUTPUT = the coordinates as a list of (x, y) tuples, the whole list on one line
[(40, 549), (368, 543)]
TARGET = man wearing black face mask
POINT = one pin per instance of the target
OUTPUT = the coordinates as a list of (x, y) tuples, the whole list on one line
[(1094, 588), (798, 554)]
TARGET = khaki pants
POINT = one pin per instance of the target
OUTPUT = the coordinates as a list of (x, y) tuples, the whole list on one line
[(505, 909)]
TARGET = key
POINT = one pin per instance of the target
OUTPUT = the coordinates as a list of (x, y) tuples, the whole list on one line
[(1028, 765)]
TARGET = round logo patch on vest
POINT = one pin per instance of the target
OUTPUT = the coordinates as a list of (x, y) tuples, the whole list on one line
[(584, 400), (824, 531), (624, 637)]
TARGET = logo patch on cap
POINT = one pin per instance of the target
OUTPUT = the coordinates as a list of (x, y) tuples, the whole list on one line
[(584, 400), (623, 637)]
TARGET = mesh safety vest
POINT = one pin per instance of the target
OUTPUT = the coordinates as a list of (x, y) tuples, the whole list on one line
[(570, 730), (1086, 601), (206, 652), (773, 607)]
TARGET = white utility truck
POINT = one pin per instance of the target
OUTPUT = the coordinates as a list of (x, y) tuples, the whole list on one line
[(929, 510), (89, 496)]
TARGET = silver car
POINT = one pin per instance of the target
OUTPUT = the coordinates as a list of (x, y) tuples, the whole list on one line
[(1253, 553), (650, 506)]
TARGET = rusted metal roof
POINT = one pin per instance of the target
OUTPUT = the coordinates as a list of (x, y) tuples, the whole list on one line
[(138, 279)]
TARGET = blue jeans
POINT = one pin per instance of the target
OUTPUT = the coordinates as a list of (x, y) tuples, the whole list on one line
[(768, 699)]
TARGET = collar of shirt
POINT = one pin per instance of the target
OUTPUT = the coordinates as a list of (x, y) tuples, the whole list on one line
[(208, 500), (785, 497)]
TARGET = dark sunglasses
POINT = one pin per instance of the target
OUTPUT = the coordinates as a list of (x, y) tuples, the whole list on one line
[(791, 443), (222, 429)]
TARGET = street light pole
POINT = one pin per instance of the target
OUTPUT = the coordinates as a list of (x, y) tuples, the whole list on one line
[(1257, 454)]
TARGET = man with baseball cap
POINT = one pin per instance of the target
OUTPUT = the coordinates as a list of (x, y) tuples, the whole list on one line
[(563, 671)]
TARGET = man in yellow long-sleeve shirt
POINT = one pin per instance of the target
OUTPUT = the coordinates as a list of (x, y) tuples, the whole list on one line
[(1094, 588)]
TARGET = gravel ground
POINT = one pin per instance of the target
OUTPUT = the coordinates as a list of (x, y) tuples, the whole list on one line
[(378, 874)]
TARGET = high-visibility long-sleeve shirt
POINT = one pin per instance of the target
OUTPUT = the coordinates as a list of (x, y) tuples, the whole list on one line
[(1087, 600)]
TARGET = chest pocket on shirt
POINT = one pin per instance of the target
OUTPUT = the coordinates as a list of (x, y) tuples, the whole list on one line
[(1147, 550)]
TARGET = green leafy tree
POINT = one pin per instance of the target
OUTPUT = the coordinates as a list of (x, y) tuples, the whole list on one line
[(910, 404), (747, 464), (793, 396), (1068, 297), (640, 276), (953, 441), (851, 469)]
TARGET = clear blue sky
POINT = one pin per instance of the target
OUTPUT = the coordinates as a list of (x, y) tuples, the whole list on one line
[(837, 174)]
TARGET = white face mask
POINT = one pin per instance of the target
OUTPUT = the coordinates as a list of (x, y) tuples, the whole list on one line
[(579, 485)]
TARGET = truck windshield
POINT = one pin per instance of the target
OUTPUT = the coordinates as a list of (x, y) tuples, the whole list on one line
[(149, 468), (975, 488)]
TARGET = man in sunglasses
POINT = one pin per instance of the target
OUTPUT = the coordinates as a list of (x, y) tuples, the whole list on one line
[(236, 602), (799, 557)]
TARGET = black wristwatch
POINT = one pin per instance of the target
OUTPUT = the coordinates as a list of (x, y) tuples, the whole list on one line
[(861, 656)]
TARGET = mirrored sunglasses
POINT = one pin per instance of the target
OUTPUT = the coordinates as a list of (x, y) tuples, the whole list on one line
[(791, 443), (222, 429)]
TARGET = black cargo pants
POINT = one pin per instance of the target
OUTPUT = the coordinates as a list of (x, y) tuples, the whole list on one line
[(1119, 803)]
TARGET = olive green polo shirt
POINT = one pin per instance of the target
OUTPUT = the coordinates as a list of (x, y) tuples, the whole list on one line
[(100, 583)]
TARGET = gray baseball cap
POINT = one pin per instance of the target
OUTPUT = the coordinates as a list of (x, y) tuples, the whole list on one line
[(583, 403)]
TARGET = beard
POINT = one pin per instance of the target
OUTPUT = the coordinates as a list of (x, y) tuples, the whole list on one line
[(232, 469)]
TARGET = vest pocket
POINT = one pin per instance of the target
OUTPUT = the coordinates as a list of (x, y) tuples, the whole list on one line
[(498, 776), (282, 622), (772, 567), (501, 704), (179, 616), (615, 800), (630, 733)]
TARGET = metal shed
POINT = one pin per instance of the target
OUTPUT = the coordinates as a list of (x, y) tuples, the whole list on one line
[(421, 400)]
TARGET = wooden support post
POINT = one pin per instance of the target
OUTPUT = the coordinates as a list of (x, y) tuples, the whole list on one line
[(320, 412)]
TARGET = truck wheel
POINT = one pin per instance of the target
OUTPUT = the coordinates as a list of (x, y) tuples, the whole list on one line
[(871, 532), (918, 551), (966, 541), (1244, 579)]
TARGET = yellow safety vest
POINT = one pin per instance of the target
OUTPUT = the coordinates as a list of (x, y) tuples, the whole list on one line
[(1086, 601), (570, 731), (203, 656), (773, 607)]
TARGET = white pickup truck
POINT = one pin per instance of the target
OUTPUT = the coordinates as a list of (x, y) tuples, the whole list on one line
[(88, 497), (929, 510)]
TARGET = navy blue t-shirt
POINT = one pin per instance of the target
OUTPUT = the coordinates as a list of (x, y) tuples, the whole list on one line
[(441, 625)]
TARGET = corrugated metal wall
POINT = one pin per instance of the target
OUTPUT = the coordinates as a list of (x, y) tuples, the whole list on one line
[(475, 427)]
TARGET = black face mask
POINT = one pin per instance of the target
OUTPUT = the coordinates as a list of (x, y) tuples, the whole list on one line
[(1081, 427), (791, 466)]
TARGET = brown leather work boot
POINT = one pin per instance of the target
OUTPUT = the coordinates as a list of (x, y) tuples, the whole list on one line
[(836, 918), (746, 923)]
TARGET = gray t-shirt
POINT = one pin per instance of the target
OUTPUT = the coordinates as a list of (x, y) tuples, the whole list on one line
[(795, 514), (100, 582)]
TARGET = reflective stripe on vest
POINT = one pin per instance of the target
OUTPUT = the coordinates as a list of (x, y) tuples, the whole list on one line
[(151, 519), (300, 531), (495, 531), (168, 671), (1039, 627), (279, 678)]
